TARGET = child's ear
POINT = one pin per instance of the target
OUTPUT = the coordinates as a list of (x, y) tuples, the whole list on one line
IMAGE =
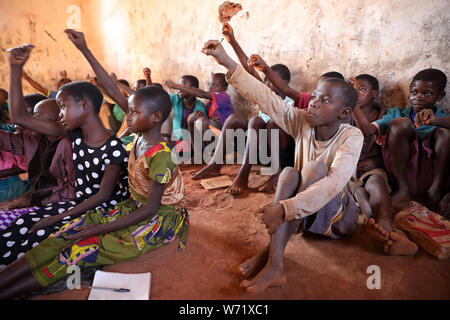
[(375, 93), (442, 95), (84, 103), (157, 116), (344, 112)]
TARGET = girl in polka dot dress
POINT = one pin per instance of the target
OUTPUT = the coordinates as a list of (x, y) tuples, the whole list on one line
[(152, 217), (99, 157)]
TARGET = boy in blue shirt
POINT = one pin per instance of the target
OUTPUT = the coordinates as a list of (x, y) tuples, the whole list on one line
[(415, 155)]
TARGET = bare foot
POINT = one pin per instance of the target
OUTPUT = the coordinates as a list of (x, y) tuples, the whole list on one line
[(376, 232), (210, 170), (269, 184), (444, 206), (434, 197), (399, 243), (239, 185), (269, 276), (255, 263), (400, 200)]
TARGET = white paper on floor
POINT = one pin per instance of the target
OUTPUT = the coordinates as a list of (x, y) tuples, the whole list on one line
[(138, 284)]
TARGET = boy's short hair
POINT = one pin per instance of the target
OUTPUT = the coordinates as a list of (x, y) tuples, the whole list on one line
[(282, 70), (350, 93), (4, 93), (332, 74), (64, 81), (222, 79), (370, 79), (155, 99), (192, 80), (157, 84), (124, 82), (34, 99), (142, 82), (83, 89), (432, 75)]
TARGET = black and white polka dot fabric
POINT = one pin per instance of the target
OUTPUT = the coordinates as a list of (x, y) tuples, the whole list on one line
[(90, 164)]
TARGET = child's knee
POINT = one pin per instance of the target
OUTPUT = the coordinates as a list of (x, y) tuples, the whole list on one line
[(289, 175), (191, 119), (256, 123), (313, 171), (234, 121), (400, 126), (442, 135), (375, 184)]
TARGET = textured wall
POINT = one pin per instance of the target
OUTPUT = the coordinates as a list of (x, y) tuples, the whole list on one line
[(391, 40)]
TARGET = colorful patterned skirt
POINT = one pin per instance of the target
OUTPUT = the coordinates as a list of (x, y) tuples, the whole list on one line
[(49, 262)]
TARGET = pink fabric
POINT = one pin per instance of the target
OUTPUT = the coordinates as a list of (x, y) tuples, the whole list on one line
[(8, 161)]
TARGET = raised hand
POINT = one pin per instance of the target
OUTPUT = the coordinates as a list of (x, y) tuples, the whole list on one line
[(170, 84), (257, 62), (19, 55), (114, 77), (77, 39), (228, 32), (147, 72)]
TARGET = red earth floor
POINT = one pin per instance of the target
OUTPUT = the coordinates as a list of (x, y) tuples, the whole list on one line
[(225, 230)]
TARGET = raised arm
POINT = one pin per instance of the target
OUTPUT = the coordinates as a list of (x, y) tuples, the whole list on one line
[(121, 85), (189, 90), (34, 84), (228, 33), (17, 105), (148, 76), (103, 77), (258, 62)]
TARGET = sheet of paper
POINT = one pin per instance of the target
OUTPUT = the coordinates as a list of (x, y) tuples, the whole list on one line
[(216, 182), (138, 284)]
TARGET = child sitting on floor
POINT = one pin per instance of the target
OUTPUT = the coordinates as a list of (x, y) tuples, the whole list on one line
[(311, 195), (48, 162), (183, 105), (99, 159), (153, 217), (370, 186), (416, 157), (255, 124), (218, 108)]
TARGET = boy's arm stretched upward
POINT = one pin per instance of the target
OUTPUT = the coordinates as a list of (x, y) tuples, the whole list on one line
[(288, 119), (34, 84), (18, 110), (228, 33), (103, 77), (189, 90), (258, 62)]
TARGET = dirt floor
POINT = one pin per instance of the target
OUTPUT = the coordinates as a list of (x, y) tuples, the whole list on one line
[(225, 230)]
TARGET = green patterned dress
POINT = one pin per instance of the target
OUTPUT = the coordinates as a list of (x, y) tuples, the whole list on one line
[(49, 261)]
